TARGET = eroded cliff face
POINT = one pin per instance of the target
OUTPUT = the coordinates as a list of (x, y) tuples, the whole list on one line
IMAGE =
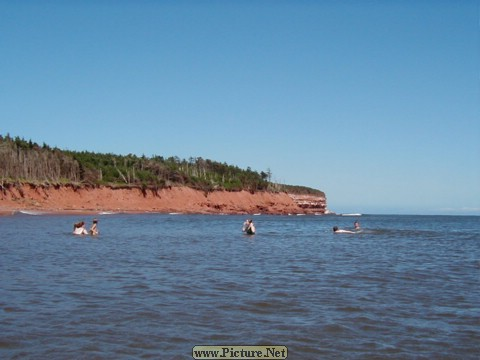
[(175, 199), (310, 204)]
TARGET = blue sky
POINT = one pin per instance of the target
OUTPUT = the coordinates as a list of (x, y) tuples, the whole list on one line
[(377, 103)]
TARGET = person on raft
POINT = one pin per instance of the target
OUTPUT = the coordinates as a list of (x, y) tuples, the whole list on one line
[(336, 230)]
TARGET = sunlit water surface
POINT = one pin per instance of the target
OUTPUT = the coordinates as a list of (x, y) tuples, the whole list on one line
[(154, 286)]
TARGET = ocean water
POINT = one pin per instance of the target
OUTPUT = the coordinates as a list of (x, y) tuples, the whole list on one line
[(154, 286)]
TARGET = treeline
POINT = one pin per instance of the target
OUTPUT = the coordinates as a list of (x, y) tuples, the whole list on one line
[(22, 160)]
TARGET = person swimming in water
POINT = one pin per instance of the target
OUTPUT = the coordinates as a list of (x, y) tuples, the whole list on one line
[(356, 225), (79, 228), (94, 228), (249, 227), (245, 225)]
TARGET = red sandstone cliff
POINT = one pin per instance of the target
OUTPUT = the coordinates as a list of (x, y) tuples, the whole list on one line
[(310, 204), (175, 199)]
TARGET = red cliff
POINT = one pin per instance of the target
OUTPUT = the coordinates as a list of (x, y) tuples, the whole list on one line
[(68, 198)]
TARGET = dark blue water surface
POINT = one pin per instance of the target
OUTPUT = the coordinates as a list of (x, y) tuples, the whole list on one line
[(153, 286)]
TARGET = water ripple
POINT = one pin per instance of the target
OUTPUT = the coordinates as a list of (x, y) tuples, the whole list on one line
[(154, 286)]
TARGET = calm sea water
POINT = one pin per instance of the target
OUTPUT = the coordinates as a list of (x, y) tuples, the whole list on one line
[(154, 286)]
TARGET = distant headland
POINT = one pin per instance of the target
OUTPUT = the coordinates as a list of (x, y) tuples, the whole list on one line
[(45, 179)]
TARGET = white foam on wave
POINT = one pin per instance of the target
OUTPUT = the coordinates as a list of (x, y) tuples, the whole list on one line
[(30, 212)]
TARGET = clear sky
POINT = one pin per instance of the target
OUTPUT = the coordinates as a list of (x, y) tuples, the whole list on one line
[(377, 103)]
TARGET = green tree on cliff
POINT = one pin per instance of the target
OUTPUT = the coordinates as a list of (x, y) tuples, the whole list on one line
[(22, 160)]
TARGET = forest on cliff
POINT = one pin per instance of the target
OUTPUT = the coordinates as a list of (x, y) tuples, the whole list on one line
[(26, 161)]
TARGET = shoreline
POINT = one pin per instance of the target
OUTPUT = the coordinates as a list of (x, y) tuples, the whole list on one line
[(8, 213), (67, 212)]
